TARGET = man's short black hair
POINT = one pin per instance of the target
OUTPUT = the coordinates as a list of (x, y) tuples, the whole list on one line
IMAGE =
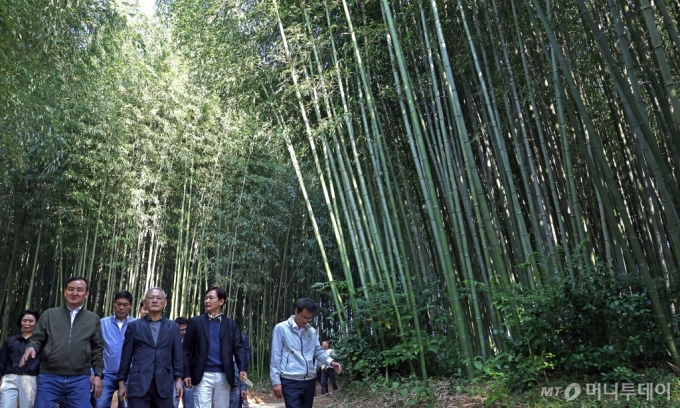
[(24, 313), (182, 320), (76, 278), (305, 303), (221, 294), (123, 294)]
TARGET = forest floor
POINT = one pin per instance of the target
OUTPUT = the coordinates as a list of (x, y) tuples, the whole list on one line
[(446, 394), (354, 397)]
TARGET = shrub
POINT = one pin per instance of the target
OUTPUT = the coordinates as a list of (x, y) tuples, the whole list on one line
[(601, 325)]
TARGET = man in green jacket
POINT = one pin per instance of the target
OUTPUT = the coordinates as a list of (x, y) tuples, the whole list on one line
[(71, 343)]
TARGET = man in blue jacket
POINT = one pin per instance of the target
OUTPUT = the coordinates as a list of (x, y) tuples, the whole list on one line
[(295, 350), (113, 332)]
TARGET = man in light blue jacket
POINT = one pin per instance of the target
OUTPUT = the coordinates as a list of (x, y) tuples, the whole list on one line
[(113, 333), (295, 350)]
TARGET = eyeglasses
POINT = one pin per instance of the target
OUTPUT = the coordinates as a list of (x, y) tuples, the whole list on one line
[(154, 298)]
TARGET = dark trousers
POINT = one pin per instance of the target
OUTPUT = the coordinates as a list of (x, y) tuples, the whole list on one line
[(150, 400), (328, 374), (298, 394)]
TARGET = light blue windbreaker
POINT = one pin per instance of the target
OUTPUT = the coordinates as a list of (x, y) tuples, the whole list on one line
[(294, 356), (113, 343)]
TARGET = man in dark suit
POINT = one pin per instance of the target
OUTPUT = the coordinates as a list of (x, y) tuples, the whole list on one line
[(211, 345), (154, 348)]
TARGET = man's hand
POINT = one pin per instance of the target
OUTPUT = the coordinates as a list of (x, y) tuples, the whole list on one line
[(187, 382), (95, 386), (244, 376), (179, 388), (337, 366), (122, 390), (278, 393), (29, 353)]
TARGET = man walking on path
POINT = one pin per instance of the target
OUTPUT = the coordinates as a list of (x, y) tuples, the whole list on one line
[(188, 397), (238, 396), (327, 373), (211, 346), (295, 349), (246, 345), (70, 339), (113, 333), (154, 348)]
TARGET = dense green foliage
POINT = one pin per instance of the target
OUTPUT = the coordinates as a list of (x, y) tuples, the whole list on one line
[(472, 183), (563, 335)]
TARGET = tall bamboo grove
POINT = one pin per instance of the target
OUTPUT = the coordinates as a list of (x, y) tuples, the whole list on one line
[(479, 145)]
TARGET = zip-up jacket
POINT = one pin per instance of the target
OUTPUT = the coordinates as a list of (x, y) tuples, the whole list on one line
[(294, 355), (11, 354), (66, 349), (113, 343)]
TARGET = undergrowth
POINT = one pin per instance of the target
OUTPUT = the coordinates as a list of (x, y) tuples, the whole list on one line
[(595, 328)]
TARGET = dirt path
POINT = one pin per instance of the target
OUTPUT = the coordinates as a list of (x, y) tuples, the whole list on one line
[(266, 405), (364, 399), (261, 400), (256, 400)]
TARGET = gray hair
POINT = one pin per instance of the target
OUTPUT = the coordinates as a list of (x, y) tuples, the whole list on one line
[(165, 295)]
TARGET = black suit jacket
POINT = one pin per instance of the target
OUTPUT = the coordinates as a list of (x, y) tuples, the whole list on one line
[(142, 361), (197, 341)]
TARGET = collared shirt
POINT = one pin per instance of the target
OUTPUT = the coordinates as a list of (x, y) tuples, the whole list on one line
[(114, 335), (155, 326), (74, 313), (298, 329), (217, 317), (10, 355)]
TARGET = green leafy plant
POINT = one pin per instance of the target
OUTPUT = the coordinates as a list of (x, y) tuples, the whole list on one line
[(563, 330)]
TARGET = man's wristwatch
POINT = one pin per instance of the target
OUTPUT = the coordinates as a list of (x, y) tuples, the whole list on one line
[(100, 375)]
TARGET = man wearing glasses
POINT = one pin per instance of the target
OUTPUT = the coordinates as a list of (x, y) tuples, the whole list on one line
[(295, 350), (151, 357)]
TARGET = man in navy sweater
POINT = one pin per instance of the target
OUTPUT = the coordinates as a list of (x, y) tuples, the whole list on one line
[(211, 345)]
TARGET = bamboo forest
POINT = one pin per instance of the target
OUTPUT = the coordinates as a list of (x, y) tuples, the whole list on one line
[(474, 190)]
